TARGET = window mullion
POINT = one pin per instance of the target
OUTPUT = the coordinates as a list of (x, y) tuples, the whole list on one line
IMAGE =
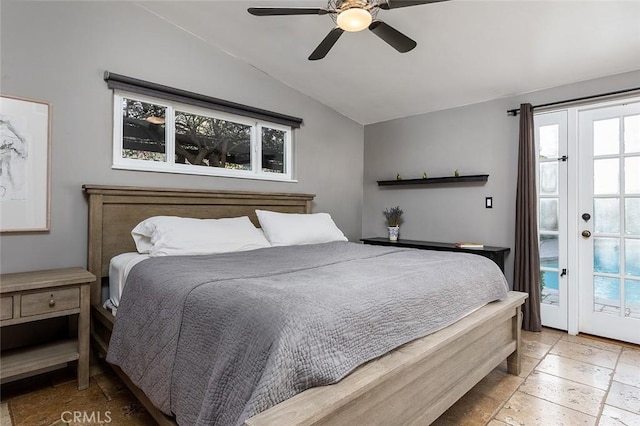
[(256, 139), (288, 154), (170, 134)]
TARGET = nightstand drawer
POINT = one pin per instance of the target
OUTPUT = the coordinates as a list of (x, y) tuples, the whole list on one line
[(6, 308), (49, 301)]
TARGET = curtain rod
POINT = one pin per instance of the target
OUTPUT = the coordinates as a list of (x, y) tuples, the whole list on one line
[(516, 111)]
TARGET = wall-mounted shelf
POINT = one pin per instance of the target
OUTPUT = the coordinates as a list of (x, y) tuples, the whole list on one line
[(435, 180)]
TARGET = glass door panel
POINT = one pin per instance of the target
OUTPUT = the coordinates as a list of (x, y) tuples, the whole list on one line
[(606, 215), (632, 216), (549, 178), (632, 175), (606, 176), (606, 255), (606, 136), (632, 134)]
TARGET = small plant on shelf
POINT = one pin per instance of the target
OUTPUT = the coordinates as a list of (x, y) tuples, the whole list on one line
[(393, 216)]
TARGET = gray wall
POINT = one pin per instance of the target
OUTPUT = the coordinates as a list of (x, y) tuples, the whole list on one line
[(475, 139), (57, 52)]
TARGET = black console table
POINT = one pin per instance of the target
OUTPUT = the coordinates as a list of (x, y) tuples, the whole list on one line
[(497, 254)]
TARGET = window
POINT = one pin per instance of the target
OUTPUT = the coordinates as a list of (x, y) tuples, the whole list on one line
[(168, 136)]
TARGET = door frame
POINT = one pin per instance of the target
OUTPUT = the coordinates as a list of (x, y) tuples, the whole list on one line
[(573, 224)]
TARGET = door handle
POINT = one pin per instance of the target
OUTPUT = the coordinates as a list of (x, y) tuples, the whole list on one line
[(586, 233)]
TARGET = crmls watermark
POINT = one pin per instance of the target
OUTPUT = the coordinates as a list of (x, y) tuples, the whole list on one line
[(90, 417)]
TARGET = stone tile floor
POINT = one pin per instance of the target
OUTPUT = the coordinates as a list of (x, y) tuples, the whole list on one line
[(565, 380), (54, 399)]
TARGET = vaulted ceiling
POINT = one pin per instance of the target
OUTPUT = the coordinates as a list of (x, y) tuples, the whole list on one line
[(468, 51)]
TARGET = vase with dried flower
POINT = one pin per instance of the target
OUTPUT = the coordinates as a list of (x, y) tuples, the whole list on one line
[(394, 218)]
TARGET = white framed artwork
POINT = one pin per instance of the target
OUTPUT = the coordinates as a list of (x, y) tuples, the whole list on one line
[(25, 130)]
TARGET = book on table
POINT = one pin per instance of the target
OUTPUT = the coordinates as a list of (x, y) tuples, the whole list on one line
[(470, 245)]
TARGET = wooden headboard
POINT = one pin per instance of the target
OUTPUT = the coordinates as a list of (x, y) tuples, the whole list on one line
[(115, 210)]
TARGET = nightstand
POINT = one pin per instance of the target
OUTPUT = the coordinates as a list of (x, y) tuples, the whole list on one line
[(32, 296), (497, 254)]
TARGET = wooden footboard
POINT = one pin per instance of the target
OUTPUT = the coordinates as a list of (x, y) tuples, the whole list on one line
[(413, 384), (417, 382)]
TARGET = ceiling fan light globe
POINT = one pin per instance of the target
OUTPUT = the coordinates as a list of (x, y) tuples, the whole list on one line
[(354, 19)]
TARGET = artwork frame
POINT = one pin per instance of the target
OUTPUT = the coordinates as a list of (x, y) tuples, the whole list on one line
[(25, 165)]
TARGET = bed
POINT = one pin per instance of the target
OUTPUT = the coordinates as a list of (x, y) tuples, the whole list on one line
[(412, 384)]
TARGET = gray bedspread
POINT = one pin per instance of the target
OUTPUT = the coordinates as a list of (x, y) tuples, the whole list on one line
[(217, 339)]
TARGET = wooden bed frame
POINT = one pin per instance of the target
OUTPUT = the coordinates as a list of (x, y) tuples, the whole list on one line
[(413, 384)]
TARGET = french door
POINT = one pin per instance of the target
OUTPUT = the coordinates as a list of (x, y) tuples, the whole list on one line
[(589, 219), (551, 143), (609, 232)]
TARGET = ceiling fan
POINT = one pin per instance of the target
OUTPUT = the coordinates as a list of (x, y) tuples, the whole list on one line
[(352, 16)]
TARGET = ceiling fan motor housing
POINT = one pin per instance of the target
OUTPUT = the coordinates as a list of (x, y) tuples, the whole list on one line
[(337, 6)]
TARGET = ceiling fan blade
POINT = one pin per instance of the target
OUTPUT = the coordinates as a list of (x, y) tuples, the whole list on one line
[(394, 4), (325, 45), (279, 11), (393, 37)]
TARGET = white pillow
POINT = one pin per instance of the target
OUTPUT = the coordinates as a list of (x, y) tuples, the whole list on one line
[(172, 235), (287, 229)]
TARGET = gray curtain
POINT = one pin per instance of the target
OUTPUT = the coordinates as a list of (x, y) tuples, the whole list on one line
[(527, 258)]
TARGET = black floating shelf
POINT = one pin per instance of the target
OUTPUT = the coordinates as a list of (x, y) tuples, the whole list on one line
[(435, 180)]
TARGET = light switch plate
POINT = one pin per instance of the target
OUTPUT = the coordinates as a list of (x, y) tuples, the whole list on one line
[(488, 202)]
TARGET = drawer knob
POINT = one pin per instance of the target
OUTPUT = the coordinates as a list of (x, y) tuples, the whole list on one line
[(52, 303)]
